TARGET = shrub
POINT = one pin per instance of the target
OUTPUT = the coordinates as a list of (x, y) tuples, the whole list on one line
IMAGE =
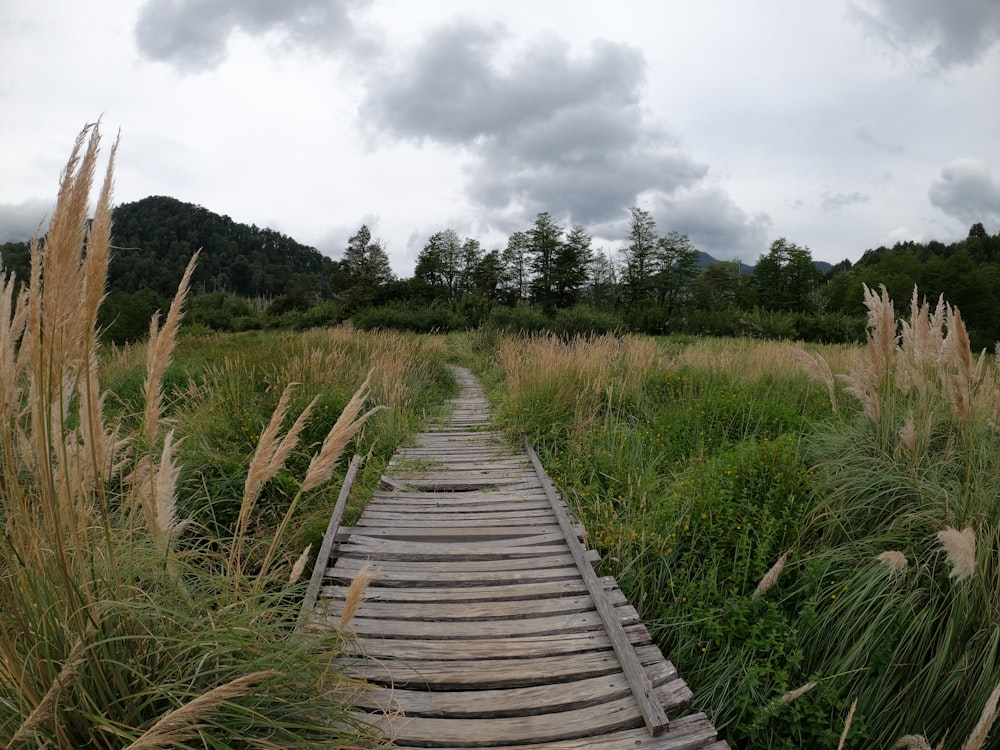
[(404, 317)]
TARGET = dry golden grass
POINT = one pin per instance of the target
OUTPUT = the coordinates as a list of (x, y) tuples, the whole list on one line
[(585, 371), (322, 464), (751, 359), (298, 568), (184, 722), (45, 707), (159, 354)]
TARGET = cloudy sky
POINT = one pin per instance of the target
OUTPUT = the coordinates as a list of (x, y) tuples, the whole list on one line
[(840, 125)]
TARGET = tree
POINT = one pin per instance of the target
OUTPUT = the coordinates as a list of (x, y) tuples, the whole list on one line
[(640, 254), (439, 263), (718, 287), (571, 267), (366, 262), (471, 254), (785, 277), (603, 280), (488, 277), (676, 268), (516, 270), (544, 243)]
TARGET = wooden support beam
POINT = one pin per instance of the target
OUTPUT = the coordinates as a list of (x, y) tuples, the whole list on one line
[(326, 548), (643, 690)]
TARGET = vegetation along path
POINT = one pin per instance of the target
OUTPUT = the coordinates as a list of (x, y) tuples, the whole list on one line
[(487, 625)]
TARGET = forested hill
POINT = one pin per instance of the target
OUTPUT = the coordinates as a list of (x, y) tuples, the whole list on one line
[(156, 236)]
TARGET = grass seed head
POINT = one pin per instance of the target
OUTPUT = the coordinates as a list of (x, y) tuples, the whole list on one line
[(771, 577), (960, 546), (894, 560)]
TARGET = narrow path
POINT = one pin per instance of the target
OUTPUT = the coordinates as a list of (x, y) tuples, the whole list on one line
[(488, 626)]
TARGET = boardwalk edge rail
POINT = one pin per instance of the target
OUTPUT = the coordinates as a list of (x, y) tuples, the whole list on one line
[(650, 707), (323, 556)]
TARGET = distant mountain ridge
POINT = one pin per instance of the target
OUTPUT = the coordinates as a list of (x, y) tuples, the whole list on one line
[(155, 237)]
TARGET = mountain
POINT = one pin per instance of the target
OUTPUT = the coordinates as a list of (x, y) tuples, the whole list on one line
[(155, 237)]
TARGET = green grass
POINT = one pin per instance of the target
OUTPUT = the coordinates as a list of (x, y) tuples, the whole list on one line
[(696, 470)]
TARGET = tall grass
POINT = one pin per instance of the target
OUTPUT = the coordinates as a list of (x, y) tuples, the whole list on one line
[(907, 528), (818, 560), (682, 461), (115, 629)]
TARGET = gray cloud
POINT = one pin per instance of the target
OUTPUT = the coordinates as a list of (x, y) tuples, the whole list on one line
[(713, 221), (957, 32), (968, 192), (832, 201), (552, 131), (193, 35), (865, 135), (19, 222)]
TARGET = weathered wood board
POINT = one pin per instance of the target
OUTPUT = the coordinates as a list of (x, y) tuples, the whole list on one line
[(487, 626)]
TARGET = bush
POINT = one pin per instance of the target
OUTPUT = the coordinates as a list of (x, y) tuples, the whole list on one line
[(519, 319), (404, 317), (584, 321)]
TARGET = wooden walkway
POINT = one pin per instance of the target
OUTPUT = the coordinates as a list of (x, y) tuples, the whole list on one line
[(488, 626)]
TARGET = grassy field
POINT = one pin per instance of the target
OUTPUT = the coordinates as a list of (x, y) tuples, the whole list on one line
[(817, 555), (160, 504)]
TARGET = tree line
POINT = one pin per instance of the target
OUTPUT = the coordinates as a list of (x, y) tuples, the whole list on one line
[(546, 276)]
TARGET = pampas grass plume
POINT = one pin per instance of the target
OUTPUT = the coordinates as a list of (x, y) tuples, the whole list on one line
[(911, 742), (356, 592), (771, 577), (299, 566), (185, 721), (798, 692), (980, 732), (960, 547), (894, 560), (847, 724)]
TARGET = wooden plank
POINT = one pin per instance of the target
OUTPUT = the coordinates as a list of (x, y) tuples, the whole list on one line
[(469, 611), (463, 579), (652, 712), (446, 531), (446, 732), (532, 493), (572, 585), (405, 650), (493, 703), (465, 674), (525, 563), (471, 517), (687, 733), (325, 550), (578, 621)]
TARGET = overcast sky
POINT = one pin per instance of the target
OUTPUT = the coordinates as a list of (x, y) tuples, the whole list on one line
[(839, 124)]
